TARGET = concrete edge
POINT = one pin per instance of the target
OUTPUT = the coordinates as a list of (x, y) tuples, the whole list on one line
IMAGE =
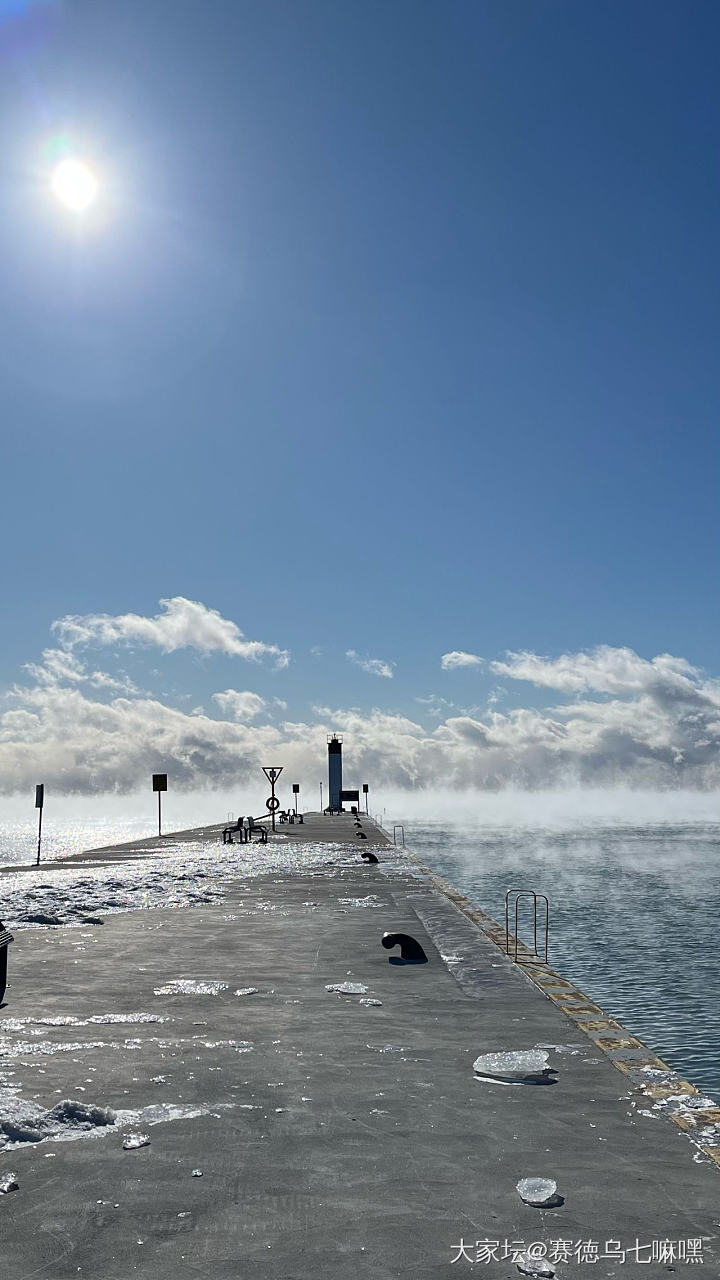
[(621, 1048)]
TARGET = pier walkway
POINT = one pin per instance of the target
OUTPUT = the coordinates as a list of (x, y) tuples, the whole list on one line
[(296, 1132)]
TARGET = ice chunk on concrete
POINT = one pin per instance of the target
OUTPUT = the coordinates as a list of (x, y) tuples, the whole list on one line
[(246, 991), (512, 1064), (190, 987), (196, 1173), (71, 1114), (8, 1182), (131, 1141), (368, 1002), (537, 1191), (369, 901), (527, 1265), (26, 1122), (347, 988)]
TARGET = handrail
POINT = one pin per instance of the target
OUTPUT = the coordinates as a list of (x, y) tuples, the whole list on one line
[(526, 893), (398, 826)]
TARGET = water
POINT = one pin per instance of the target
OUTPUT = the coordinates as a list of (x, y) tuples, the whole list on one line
[(62, 837), (634, 917)]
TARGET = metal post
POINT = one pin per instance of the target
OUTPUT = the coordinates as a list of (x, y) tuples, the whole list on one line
[(272, 773), (39, 802), (159, 782), (321, 808), (37, 864)]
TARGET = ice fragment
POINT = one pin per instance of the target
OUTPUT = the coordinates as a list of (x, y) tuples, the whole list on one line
[(527, 1265), (8, 1182), (514, 1064), (131, 1141), (537, 1190)]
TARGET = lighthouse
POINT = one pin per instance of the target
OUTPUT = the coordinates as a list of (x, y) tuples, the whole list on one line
[(335, 769)]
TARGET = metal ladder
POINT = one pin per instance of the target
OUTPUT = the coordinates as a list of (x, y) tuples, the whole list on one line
[(526, 893)]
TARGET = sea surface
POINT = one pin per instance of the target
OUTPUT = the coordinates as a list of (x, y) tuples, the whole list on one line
[(634, 918), (634, 910)]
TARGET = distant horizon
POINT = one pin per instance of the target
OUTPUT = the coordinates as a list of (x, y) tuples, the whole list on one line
[(561, 808)]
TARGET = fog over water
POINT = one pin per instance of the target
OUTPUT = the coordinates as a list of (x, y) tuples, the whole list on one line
[(634, 904)]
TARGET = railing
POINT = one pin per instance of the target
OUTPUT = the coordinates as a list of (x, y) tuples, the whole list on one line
[(526, 893), (398, 826)]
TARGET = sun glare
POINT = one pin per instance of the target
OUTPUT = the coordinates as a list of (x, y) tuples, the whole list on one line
[(74, 184)]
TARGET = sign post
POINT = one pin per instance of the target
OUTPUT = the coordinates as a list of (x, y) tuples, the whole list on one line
[(365, 793), (296, 792), (272, 803), (159, 785), (39, 802)]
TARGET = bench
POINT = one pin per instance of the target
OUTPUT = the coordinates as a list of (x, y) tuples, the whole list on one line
[(237, 829), (255, 826)]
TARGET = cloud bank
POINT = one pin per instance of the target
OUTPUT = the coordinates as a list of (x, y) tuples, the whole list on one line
[(617, 720)]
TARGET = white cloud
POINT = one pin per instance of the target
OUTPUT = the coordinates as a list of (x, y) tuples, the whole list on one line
[(601, 670), (240, 705), (59, 667), (438, 707), (181, 624), (458, 658), (373, 666), (659, 728)]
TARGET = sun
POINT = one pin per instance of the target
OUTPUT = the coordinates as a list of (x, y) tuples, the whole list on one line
[(74, 184)]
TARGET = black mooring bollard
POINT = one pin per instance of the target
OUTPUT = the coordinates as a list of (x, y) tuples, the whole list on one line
[(367, 856), (5, 939), (410, 950)]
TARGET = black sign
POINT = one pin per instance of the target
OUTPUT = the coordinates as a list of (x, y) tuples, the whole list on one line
[(159, 782), (39, 795), (296, 788), (365, 788), (350, 795)]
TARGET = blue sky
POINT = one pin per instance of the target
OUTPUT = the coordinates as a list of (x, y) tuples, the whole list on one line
[(393, 331)]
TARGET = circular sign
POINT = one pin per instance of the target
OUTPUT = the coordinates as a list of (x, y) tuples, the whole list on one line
[(272, 804)]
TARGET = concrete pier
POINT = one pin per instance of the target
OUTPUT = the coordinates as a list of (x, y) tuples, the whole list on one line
[(315, 1135)]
